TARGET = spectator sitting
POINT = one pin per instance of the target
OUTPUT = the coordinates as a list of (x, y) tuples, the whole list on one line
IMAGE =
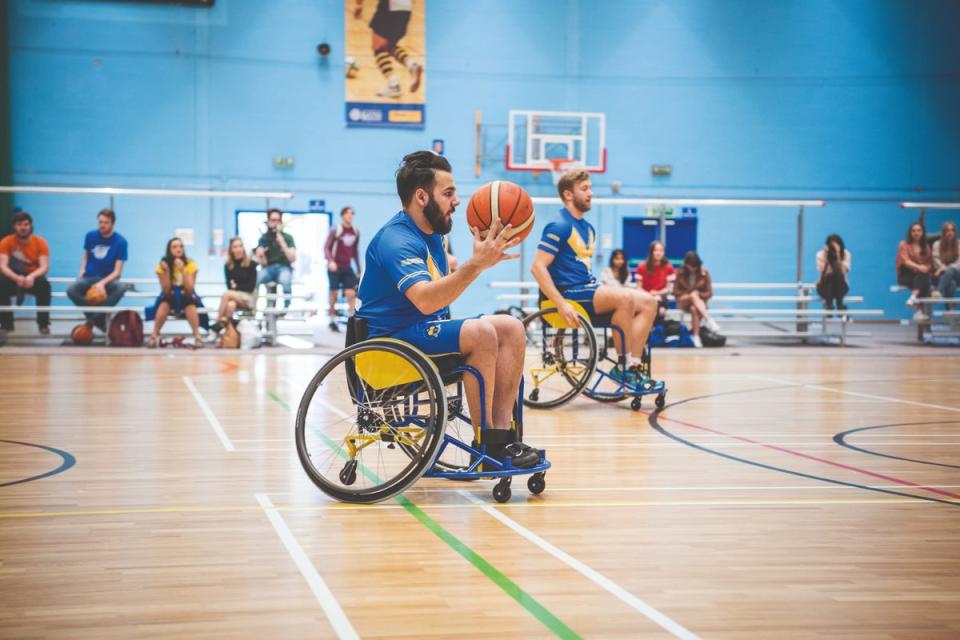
[(915, 266), (24, 262), (241, 275), (833, 265), (656, 275), (946, 261), (693, 289), (104, 253), (177, 275), (276, 251), (616, 274)]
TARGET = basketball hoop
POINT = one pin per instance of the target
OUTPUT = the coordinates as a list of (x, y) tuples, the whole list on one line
[(559, 166)]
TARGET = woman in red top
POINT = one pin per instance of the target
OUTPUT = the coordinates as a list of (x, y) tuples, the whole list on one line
[(915, 266), (656, 274)]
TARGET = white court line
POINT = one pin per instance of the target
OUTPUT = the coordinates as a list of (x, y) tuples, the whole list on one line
[(211, 418), (631, 600), (320, 589), (869, 396)]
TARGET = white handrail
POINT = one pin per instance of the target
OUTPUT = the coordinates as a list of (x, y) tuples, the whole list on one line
[(701, 202), (123, 191), (930, 205)]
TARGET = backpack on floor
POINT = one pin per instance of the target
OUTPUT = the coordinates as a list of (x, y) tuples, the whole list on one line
[(126, 330), (711, 338)]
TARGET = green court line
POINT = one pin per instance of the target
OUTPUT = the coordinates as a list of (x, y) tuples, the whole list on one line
[(509, 587)]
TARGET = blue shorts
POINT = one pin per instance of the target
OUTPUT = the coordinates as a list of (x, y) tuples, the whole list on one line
[(583, 295), (438, 339)]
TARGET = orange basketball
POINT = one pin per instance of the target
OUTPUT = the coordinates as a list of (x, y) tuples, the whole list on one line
[(94, 296), (82, 334), (509, 201)]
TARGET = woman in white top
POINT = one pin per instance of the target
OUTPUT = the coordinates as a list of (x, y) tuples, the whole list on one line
[(946, 261), (833, 264), (617, 274)]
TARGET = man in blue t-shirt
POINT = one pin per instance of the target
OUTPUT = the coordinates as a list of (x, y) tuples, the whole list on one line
[(406, 291), (104, 253), (562, 269)]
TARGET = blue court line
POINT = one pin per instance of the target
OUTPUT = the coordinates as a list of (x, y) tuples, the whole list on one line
[(840, 439), (68, 461)]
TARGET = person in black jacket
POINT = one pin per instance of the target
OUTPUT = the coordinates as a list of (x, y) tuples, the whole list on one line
[(241, 274)]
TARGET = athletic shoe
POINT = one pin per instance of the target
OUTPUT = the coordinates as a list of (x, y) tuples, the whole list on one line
[(45, 330), (912, 300), (390, 91), (712, 324), (334, 326), (696, 341), (920, 316), (646, 383), (628, 377)]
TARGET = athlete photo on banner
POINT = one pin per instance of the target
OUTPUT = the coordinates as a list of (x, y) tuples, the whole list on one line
[(385, 63)]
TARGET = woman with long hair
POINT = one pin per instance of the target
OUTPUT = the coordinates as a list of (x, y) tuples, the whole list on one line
[(178, 277), (655, 275), (946, 261), (616, 273), (833, 265), (692, 289), (915, 267), (240, 272)]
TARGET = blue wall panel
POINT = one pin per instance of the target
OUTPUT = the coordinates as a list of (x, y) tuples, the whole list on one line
[(850, 100)]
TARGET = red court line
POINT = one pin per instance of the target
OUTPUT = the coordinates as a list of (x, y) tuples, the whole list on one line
[(228, 366), (866, 472)]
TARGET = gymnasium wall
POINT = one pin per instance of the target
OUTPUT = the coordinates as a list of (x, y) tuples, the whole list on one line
[(852, 101)]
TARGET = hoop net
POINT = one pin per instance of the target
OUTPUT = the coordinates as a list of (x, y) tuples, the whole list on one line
[(559, 166)]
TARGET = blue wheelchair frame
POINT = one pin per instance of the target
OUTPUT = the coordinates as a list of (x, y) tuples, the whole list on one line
[(623, 388)]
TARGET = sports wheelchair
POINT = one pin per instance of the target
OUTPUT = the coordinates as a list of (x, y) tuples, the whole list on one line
[(563, 361), (381, 414)]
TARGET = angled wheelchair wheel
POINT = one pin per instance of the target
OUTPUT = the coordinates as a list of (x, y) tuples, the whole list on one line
[(559, 361), (371, 421)]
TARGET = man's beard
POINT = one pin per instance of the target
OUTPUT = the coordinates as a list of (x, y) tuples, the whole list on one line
[(436, 218), (582, 205)]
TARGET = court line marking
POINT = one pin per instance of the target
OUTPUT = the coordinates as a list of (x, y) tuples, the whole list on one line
[(857, 394), (596, 577), (343, 506), (341, 624), (533, 606), (800, 454), (211, 417)]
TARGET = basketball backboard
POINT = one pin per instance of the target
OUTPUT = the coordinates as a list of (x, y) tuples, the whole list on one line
[(537, 140)]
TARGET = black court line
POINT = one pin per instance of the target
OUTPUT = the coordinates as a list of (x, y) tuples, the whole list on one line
[(840, 439), (68, 461), (655, 424)]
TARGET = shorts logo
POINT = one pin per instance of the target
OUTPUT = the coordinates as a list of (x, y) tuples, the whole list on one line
[(433, 330)]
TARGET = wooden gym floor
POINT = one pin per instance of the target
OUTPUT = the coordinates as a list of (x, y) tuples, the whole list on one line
[(782, 493)]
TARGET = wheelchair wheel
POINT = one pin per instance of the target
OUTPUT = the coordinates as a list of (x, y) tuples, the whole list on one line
[(559, 361), (371, 421)]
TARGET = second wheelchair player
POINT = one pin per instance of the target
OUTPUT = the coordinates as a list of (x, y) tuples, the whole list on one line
[(562, 270), (406, 291)]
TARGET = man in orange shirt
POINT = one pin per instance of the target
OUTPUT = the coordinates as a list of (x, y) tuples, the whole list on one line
[(24, 262)]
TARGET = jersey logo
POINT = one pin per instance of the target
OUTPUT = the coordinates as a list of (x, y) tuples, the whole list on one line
[(433, 330), (432, 269), (583, 251)]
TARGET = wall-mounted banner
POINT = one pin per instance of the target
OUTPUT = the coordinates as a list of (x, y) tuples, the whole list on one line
[(385, 63)]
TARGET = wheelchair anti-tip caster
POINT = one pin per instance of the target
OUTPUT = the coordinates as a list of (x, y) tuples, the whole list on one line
[(348, 475), (501, 490), (661, 400), (537, 483)]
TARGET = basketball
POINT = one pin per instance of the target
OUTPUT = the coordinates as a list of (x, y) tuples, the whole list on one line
[(82, 334), (509, 201), (94, 296)]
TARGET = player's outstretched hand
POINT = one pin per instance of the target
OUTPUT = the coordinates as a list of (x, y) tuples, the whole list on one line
[(491, 250)]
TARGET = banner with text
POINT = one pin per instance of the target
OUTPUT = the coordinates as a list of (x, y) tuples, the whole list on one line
[(385, 63)]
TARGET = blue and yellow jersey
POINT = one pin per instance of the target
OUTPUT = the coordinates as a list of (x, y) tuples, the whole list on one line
[(571, 243), (399, 256)]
